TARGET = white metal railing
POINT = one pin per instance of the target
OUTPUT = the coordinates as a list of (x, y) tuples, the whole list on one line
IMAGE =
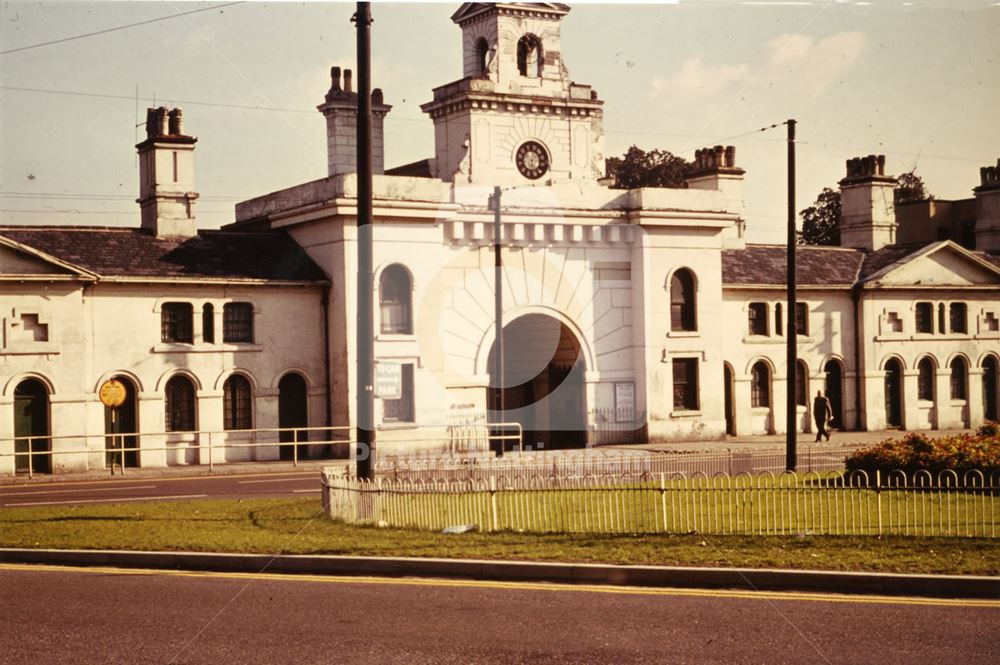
[(206, 447), (605, 461), (769, 504)]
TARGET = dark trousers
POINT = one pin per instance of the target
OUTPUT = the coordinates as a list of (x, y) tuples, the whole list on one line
[(821, 430)]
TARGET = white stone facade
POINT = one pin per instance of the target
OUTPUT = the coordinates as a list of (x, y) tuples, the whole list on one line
[(628, 314)]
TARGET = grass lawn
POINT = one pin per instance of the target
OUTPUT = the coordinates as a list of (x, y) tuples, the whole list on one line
[(298, 526)]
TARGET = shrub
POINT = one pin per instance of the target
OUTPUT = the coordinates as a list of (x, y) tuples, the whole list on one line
[(916, 451), (989, 428)]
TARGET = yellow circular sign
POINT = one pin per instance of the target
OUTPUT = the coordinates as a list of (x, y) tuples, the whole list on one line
[(112, 393)]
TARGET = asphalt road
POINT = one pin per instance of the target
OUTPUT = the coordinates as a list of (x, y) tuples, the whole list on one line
[(113, 490), (52, 615)]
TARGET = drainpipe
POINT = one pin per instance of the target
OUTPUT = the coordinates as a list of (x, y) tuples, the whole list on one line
[(325, 302), (856, 298)]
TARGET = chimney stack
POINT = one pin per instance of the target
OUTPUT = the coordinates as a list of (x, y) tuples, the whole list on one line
[(868, 213), (166, 175), (988, 209), (715, 168), (341, 110)]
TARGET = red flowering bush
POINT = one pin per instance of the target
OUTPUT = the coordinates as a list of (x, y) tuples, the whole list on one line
[(917, 451)]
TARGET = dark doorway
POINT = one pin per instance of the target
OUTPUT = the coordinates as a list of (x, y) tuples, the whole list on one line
[(543, 384), (834, 389), (31, 427), (123, 433), (727, 391), (893, 394), (292, 412), (991, 377)]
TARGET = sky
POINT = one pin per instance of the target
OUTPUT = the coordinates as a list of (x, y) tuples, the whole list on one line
[(917, 81)]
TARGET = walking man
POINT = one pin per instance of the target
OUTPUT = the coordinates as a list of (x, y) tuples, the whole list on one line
[(822, 414)]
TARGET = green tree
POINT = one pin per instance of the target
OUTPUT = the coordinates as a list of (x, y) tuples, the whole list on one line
[(821, 220), (655, 168)]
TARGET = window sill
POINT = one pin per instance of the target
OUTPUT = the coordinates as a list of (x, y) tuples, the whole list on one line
[(172, 347), (395, 425), (683, 333), (395, 337), (685, 414), (762, 339)]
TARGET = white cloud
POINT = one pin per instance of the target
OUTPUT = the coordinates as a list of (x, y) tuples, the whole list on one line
[(696, 79), (814, 64)]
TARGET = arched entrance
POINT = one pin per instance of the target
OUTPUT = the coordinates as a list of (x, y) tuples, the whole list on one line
[(991, 377), (727, 383), (893, 393), (833, 388), (123, 432), (31, 427), (542, 383), (292, 411)]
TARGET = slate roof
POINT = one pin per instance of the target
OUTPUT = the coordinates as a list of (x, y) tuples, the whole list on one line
[(814, 266), (137, 253)]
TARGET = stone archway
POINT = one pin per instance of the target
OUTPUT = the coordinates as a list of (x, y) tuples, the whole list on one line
[(543, 383)]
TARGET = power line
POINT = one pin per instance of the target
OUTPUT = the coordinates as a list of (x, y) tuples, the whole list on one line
[(116, 28)]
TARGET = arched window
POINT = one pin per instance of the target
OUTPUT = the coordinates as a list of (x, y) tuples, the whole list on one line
[(529, 56), (208, 323), (482, 55), (958, 373), (237, 399), (682, 301), (760, 384), (179, 406), (801, 383), (394, 301), (925, 379)]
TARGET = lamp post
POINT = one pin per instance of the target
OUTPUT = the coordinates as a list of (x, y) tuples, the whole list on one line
[(791, 357), (366, 321)]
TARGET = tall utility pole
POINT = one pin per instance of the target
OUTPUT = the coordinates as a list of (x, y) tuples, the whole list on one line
[(497, 369), (791, 357), (366, 286)]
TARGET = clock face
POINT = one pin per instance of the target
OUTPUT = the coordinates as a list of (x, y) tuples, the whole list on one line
[(532, 160)]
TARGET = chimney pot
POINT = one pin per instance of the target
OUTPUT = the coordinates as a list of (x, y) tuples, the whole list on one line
[(334, 79), (731, 156), (347, 80), (377, 97), (176, 122), (162, 122)]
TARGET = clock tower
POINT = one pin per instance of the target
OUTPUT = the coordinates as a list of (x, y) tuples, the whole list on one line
[(515, 117)]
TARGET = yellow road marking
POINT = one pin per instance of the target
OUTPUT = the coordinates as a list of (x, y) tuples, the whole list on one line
[(524, 586)]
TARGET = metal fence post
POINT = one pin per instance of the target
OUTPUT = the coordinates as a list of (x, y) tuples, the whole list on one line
[(211, 455), (493, 503), (878, 498), (663, 499), (295, 447)]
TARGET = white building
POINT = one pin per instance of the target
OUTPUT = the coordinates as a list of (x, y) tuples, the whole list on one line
[(640, 313)]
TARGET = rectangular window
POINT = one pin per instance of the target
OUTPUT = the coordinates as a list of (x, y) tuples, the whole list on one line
[(685, 384), (237, 322), (758, 318), (957, 318), (925, 317), (175, 322), (802, 319), (401, 410), (779, 320)]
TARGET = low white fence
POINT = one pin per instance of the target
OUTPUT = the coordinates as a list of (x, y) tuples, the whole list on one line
[(809, 503)]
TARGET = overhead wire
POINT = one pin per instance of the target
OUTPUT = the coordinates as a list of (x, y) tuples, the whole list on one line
[(119, 27)]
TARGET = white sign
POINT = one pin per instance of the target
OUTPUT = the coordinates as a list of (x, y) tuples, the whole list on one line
[(388, 380), (624, 402)]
